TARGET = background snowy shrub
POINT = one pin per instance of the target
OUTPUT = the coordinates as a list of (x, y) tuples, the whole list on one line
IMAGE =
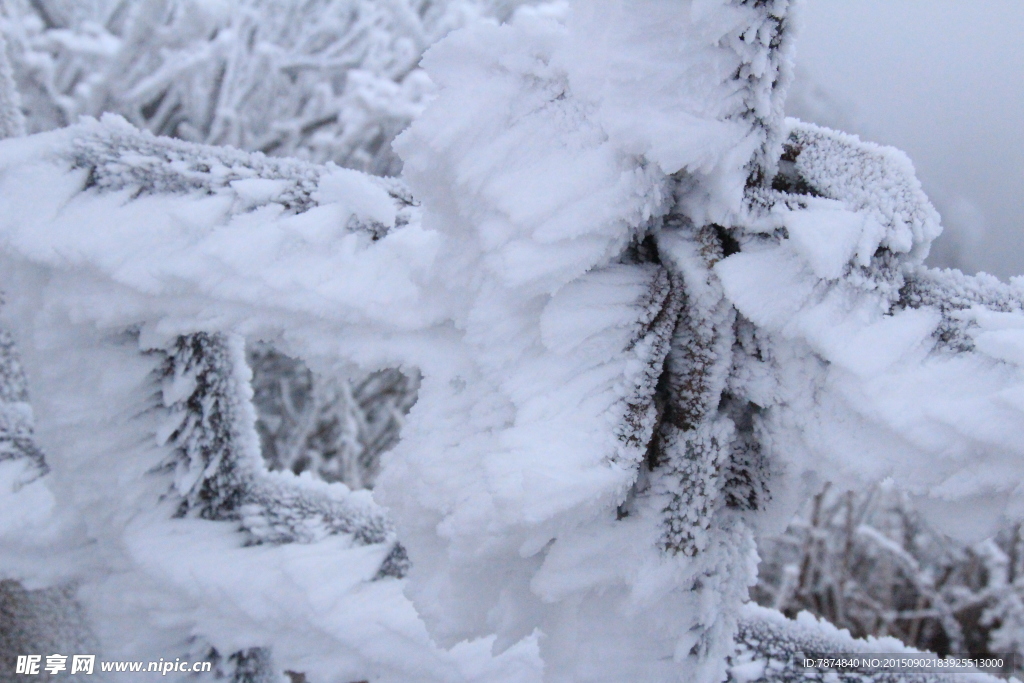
[(326, 80), (330, 426), (866, 561)]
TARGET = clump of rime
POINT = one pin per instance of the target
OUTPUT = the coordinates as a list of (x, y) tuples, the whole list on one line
[(557, 189)]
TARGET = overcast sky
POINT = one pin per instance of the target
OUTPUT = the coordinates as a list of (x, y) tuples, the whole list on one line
[(944, 81)]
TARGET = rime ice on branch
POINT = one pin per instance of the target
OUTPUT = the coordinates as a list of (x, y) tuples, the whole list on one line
[(323, 80), (650, 314), (12, 122)]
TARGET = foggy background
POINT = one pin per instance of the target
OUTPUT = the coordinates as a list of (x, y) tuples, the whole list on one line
[(944, 81)]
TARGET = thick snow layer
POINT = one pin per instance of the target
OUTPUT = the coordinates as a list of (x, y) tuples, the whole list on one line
[(849, 323), (509, 480), (680, 60), (828, 238), (705, 71), (116, 418), (150, 583), (877, 182), (282, 227)]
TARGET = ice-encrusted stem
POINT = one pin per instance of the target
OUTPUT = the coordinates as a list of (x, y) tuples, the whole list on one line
[(12, 121)]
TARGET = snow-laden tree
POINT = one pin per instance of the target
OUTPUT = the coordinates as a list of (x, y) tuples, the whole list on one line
[(650, 315), (327, 80)]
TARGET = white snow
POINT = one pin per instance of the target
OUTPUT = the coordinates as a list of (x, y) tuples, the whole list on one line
[(25, 505), (827, 239), (358, 194), (886, 401)]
